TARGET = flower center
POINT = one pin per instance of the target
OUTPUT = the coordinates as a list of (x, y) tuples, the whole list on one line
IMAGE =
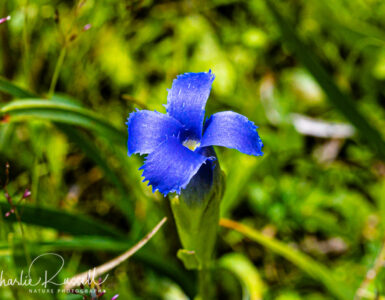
[(191, 144)]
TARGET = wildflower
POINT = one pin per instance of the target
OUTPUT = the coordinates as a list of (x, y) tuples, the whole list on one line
[(3, 20), (26, 194), (179, 144), (87, 27)]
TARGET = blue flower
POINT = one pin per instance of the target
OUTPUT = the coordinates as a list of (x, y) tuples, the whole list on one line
[(178, 144)]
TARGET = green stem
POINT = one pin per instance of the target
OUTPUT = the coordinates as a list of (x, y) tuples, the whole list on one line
[(26, 41), (35, 181), (23, 239), (2, 226), (205, 291), (13, 289), (56, 73)]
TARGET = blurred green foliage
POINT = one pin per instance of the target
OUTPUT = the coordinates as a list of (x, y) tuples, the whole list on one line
[(316, 203)]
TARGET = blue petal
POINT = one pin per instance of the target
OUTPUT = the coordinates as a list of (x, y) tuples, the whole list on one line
[(171, 166), (232, 130), (187, 99), (148, 129), (201, 183)]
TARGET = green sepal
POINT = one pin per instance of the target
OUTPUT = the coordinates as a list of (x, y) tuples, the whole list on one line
[(188, 258), (197, 222)]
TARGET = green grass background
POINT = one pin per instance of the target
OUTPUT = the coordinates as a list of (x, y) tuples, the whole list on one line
[(314, 206)]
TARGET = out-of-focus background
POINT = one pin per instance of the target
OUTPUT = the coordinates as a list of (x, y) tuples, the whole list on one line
[(310, 74)]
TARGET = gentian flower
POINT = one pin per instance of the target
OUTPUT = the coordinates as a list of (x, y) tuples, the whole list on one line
[(178, 144)]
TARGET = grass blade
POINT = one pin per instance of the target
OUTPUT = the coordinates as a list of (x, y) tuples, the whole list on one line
[(246, 272), (237, 178), (301, 260), (62, 221), (93, 153), (15, 91), (21, 110)]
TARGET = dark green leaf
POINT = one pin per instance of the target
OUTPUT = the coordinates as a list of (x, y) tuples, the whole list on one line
[(61, 221), (15, 91), (21, 110)]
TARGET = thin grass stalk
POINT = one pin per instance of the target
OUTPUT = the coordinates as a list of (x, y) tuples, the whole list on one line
[(56, 72)]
